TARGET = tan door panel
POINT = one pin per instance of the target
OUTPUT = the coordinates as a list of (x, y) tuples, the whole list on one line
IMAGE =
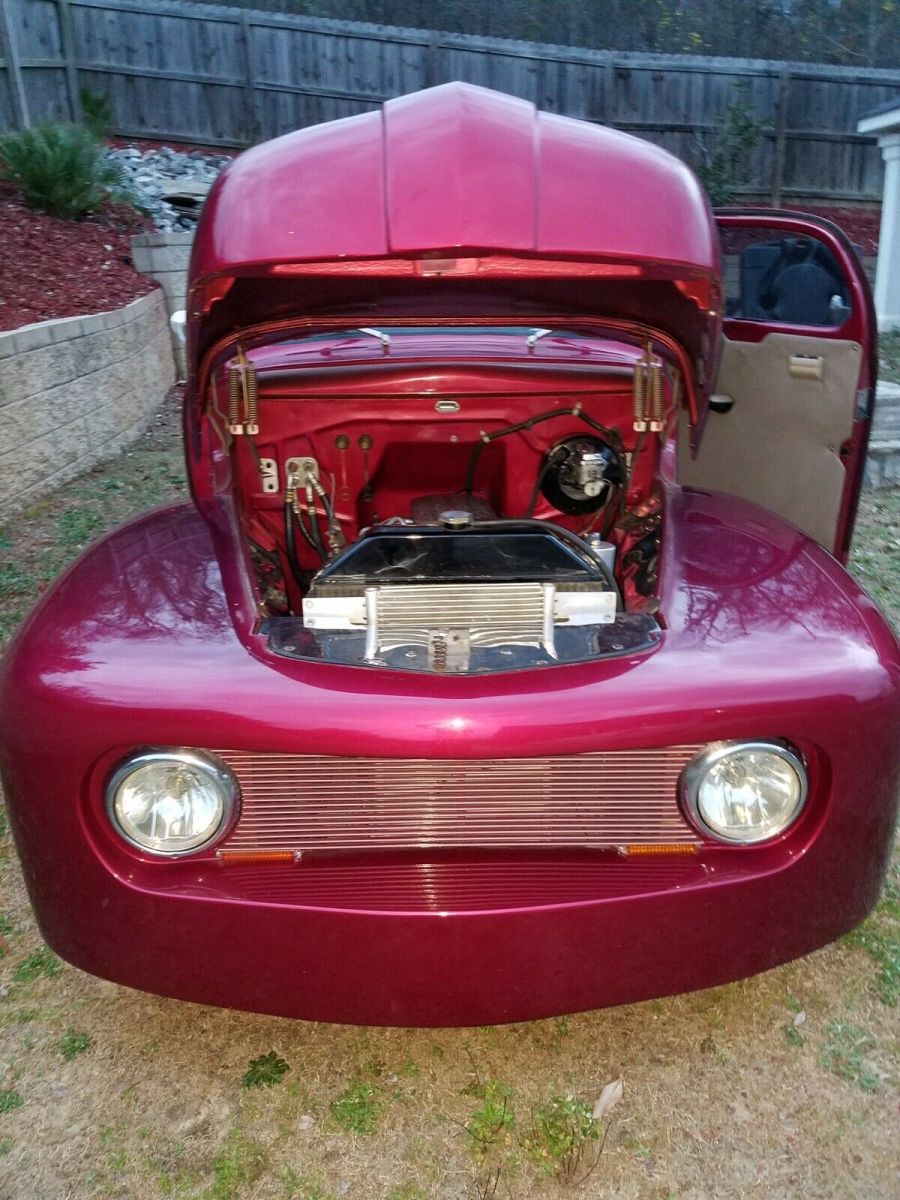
[(794, 404)]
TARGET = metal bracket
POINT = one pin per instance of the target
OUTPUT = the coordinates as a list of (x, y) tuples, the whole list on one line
[(298, 470)]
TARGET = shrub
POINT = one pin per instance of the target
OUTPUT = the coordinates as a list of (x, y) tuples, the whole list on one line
[(96, 112), (724, 168), (561, 1138), (61, 169)]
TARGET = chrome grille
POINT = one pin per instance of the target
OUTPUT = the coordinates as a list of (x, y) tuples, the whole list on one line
[(502, 608), (511, 880), (325, 804)]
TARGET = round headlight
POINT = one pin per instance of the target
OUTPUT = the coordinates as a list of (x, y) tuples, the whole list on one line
[(745, 791), (171, 802)]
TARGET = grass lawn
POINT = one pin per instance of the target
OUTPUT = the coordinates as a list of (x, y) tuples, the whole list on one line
[(784, 1085), (889, 356)]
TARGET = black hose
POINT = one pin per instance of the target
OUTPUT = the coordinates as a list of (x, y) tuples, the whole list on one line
[(291, 545), (487, 438), (316, 533), (541, 475)]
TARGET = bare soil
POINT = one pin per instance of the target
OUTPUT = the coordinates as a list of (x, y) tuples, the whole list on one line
[(781, 1086)]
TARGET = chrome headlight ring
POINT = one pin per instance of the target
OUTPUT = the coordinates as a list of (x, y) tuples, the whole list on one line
[(745, 793), (172, 802)]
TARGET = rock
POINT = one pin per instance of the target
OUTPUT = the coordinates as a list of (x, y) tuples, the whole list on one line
[(153, 175)]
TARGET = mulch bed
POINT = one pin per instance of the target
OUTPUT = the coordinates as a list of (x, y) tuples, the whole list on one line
[(861, 225), (54, 268)]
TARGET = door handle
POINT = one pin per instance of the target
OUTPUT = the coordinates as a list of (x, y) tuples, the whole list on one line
[(806, 366)]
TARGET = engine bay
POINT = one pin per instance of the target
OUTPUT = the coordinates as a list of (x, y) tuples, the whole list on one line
[(449, 500)]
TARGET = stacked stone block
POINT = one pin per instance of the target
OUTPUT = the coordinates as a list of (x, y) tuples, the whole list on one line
[(75, 392)]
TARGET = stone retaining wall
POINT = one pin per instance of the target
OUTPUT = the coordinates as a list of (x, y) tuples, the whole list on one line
[(165, 257), (77, 391)]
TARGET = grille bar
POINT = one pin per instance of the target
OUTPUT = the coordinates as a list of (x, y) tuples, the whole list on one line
[(334, 805)]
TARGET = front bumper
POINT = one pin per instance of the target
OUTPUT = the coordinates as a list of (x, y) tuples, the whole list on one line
[(136, 646)]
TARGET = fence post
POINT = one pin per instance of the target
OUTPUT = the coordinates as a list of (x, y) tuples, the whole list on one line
[(13, 66), (433, 58), (254, 129), (67, 39), (780, 151)]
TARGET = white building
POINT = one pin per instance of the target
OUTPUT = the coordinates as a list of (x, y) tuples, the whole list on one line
[(884, 122)]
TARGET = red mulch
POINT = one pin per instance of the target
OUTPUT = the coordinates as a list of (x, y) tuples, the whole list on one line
[(53, 268), (861, 225)]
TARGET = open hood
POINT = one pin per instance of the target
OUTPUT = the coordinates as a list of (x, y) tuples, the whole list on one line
[(459, 201)]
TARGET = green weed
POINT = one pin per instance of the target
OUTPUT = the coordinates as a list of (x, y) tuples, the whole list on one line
[(9, 1099), (173, 1179), (78, 526), (563, 1136), (300, 1187), (265, 1071), (43, 964), (72, 1044), (358, 1108), (879, 936), (489, 1123), (844, 1054), (237, 1165), (14, 581)]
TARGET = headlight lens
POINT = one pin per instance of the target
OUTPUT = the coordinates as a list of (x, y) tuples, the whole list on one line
[(171, 802), (745, 791)]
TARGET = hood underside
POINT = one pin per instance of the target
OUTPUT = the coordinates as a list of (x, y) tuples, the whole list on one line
[(457, 200)]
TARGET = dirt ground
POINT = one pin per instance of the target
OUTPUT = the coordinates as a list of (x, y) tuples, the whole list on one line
[(783, 1085)]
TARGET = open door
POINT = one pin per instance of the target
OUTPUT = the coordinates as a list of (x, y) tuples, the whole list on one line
[(789, 423)]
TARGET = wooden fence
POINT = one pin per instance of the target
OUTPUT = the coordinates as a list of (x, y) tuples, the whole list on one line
[(226, 77)]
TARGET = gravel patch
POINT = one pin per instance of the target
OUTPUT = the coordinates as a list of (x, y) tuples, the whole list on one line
[(169, 184)]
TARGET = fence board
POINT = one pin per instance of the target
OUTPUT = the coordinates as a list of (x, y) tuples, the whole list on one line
[(209, 74)]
